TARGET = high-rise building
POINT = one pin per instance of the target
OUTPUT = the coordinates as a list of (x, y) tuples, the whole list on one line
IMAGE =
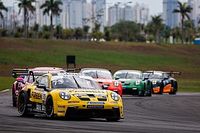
[(144, 14), (195, 14), (87, 14), (9, 18), (128, 13), (76, 13), (137, 13), (115, 14), (41, 19), (65, 13), (99, 12), (136, 10), (170, 19), (112, 17)]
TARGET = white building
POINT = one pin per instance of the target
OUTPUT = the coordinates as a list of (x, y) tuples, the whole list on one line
[(41, 19), (76, 14), (115, 15), (99, 12), (144, 14), (170, 19), (128, 13), (195, 14), (87, 14), (137, 13)]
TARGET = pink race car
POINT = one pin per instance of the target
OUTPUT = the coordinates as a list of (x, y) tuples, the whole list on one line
[(27, 76)]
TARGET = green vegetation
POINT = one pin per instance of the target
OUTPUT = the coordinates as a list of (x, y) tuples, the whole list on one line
[(6, 83), (111, 55)]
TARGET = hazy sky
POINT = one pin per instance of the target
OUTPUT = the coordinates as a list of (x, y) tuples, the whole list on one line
[(155, 6)]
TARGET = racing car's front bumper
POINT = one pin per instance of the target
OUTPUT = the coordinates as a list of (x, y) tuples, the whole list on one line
[(87, 109)]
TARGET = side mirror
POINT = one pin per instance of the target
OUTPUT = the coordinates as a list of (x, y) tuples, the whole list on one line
[(41, 86), (14, 75), (19, 79), (105, 87), (117, 78)]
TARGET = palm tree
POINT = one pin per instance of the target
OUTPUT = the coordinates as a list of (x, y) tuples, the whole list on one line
[(51, 7), (26, 6), (2, 8), (157, 25), (184, 11)]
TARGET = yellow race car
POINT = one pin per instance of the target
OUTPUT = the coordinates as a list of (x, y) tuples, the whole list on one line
[(67, 95)]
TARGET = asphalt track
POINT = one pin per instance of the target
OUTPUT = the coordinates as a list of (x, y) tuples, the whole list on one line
[(156, 114)]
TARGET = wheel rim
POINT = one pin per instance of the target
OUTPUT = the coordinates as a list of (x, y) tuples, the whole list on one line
[(21, 104)]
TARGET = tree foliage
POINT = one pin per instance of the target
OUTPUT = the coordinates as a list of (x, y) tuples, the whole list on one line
[(26, 6), (125, 31), (183, 9), (2, 8)]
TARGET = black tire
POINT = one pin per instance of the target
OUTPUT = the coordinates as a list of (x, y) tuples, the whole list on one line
[(141, 93), (22, 104), (49, 107), (113, 119), (161, 88), (148, 89), (175, 87), (14, 98)]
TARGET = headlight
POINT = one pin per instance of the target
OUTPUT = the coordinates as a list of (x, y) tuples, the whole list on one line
[(137, 82), (116, 83), (154, 82), (115, 96), (65, 96)]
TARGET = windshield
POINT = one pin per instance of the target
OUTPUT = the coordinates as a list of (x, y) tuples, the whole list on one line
[(86, 83), (104, 74), (129, 75), (120, 75), (134, 76), (63, 82), (75, 82), (155, 76)]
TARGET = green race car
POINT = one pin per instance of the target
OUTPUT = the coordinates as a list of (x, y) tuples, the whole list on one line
[(134, 83)]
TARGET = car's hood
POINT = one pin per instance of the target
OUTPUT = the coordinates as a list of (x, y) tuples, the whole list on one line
[(104, 81), (157, 80), (85, 91), (129, 80)]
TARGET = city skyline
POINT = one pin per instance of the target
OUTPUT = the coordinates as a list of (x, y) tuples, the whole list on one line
[(155, 6)]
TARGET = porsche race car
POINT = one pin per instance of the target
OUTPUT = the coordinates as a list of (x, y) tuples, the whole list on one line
[(163, 82), (133, 82), (104, 78), (69, 96)]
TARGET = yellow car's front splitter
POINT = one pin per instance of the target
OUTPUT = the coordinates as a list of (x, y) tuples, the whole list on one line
[(99, 109)]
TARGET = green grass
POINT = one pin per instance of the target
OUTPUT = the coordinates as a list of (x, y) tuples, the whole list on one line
[(6, 83), (113, 56)]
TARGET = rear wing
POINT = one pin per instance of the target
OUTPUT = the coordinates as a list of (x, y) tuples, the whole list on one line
[(173, 73), (19, 72), (73, 70), (147, 74)]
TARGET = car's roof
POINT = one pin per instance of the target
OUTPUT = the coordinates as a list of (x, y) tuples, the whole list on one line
[(125, 71), (96, 69), (46, 69), (156, 72)]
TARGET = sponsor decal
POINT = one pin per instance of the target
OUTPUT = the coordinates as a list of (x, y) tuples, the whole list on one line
[(95, 106), (36, 95), (95, 103)]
